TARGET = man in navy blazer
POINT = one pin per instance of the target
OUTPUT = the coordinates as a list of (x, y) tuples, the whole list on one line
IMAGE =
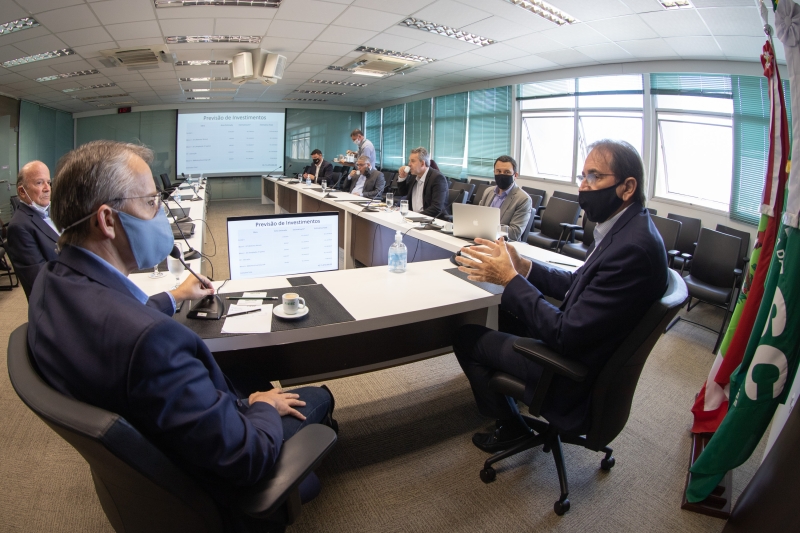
[(319, 169), (426, 189), (32, 236), (602, 301), (95, 336)]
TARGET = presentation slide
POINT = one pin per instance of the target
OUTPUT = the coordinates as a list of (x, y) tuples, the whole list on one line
[(231, 143), (279, 245)]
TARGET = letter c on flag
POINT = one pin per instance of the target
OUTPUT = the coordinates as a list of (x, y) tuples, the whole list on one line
[(767, 355)]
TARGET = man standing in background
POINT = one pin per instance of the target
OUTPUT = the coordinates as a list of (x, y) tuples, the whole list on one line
[(365, 147)]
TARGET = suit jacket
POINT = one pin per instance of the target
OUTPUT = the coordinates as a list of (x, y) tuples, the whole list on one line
[(514, 212), (434, 195), (93, 341), (602, 302), (325, 171), (31, 243), (372, 187)]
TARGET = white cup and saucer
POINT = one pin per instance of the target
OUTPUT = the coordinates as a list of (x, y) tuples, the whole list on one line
[(293, 307)]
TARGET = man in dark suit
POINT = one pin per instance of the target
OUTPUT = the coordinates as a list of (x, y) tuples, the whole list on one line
[(98, 338), (366, 181), (319, 169), (32, 236), (426, 190), (602, 301)]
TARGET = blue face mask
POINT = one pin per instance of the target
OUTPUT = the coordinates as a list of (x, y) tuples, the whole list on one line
[(151, 240)]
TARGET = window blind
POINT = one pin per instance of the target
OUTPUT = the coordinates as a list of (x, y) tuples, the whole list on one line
[(489, 129), (418, 124), (393, 137), (329, 131), (372, 130), (751, 144), (450, 121), (710, 85), (44, 135)]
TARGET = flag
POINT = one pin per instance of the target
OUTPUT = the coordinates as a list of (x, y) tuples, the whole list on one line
[(711, 403)]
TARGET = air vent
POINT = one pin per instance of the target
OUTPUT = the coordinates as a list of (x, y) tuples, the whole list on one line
[(136, 58)]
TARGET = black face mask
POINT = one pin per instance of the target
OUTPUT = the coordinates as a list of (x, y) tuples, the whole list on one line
[(316, 161), (503, 181), (599, 205)]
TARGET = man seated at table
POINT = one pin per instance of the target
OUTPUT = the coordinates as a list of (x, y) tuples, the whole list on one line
[(98, 338), (513, 202), (32, 235), (365, 181), (319, 169), (602, 301), (426, 189)]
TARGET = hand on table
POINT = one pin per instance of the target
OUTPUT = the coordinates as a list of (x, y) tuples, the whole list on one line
[(521, 265), (191, 289), (495, 266), (283, 402)]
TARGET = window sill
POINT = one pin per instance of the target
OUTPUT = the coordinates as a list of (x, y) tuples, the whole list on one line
[(697, 206), (548, 180)]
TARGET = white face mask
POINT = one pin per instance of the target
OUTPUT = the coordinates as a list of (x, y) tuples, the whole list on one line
[(44, 210)]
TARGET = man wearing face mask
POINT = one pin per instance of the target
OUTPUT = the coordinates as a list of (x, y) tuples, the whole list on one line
[(426, 189), (319, 169), (98, 338), (602, 301), (32, 236), (365, 147), (513, 202)]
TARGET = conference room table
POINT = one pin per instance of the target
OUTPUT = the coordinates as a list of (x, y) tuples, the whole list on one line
[(359, 320)]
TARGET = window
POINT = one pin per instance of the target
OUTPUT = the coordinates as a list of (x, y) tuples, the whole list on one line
[(393, 137), (372, 130), (547, 140), (301, 144), (418, 125), (489, 129), (450, 134)]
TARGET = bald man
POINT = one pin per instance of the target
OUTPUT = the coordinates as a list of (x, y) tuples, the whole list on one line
[(32, 235)]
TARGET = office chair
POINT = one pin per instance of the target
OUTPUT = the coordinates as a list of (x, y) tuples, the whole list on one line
[(5, 266), (14, 203), (566, 196), (652, 211), (687, 240), (714, 276), (477, 181), (536, 192), (574, 247), (669, 230), (168, 186), (558, 211), (480, 189), (523, 237), (463, 186), (454, 196), (139, 487), (744, 258), (611, 393)]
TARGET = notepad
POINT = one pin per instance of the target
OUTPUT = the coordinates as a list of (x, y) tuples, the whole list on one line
[(250, 323)]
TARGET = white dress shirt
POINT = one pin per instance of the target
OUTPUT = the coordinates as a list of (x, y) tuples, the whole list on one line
[(359, 188), (416, 195)]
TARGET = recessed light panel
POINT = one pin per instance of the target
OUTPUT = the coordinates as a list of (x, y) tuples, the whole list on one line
[(39, 57), (202, 63), (116, 104), (18, 25), (343, 83), (205, 79), (227, 3), (327, 93), (210, 90), (545, 10), (87, 98), (68, 75), (306, 99), (676, 4), (194, 39), (100, 86), (446, 31)]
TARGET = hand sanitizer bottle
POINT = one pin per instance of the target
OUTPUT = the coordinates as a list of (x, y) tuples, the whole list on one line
[(398, 254)]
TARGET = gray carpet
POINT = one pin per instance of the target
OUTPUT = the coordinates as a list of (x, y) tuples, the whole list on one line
[(404, 461)]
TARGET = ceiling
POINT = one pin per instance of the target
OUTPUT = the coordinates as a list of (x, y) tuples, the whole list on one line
[(314, 34)]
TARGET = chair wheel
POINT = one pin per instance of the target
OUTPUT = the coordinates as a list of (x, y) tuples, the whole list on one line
[(607, 464), (488, 475), (561, 507)]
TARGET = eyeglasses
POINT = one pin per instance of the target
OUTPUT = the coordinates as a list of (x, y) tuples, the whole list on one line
[(590, 178), (153, 200)]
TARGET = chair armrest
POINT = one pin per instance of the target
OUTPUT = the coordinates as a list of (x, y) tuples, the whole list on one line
[(299, 456), (571, 235), (540, 353), (686, 258)]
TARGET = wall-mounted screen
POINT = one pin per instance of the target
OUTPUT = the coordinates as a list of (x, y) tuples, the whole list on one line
[(279, 245), (231, 143)]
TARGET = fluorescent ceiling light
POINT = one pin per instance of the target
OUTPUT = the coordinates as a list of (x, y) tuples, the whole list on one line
[(446, 31), (329, 93), (116, 104), (398, 55), (306, 99), (210, 78), (39, 57), (545, 10), (676, 4), (198, 98), (69, 75), (100, 86), (344, 83), (202, 63), (372, 73), (18, 25), (193, 39), (87, 98), (210, 90), (244, 3)]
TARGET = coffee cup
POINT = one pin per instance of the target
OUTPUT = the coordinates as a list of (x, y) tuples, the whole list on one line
[(292, 303), (448, 226)]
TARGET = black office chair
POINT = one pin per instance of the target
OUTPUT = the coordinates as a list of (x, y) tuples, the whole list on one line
[(140, 488), (744, 258), (480, 189), (168, 186), (523, 237), (14, 203), (566, 196), (454, 196), (551, 233), (536, 192), (669, 230), (714, 276), (687, 240), (611, 393), (477, 181), (652, 211), (462, 186), (574, 247), (5, 267)]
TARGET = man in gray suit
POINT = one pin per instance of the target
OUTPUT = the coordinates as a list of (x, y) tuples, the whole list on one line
[(513, 202), (366, 181)]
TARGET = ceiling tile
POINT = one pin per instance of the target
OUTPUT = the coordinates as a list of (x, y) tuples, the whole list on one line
[(567, 58), (605, 52), (9, 52), (433, 51), (469, 60), (309, 11), (392, 42), (296, 68), (136, 30), (645, 6), (720, 3), (575, 35), (279, 44), (38, 6), (189, 27), (73, 66), (695, 47), (534, 43), (406, 7), (451, 13), (130, 43), (676, 22), (12, 11), (649, 48), (628, 28), (587, 10), (39, 31), (68, 18), (41, 44), (339, 34), (242, 26), (240, 12), (512, 14), (747, 48), (290, 29), (316, 59), (497, 28), (121, 11), (733, 21), (86, 36), (329, 48), (500, 52), (358, 17)]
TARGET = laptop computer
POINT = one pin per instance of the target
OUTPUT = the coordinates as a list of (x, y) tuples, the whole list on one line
[(471, 221)]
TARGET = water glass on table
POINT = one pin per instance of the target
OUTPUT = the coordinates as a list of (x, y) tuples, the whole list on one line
[(404, 207), (324, 187), (502, 232), (389, 200), (176, 267)]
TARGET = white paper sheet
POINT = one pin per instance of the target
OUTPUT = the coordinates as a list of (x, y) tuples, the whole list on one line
[(249, 323)]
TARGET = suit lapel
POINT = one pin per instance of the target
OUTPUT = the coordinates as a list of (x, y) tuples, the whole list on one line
[(39, 222), (626, 217), (82, 262)]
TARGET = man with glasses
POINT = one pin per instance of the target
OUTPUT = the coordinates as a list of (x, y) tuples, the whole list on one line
[(602, 301), (98, 338), (366, 181), (514, 204)]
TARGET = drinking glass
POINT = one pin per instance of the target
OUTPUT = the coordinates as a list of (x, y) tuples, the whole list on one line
[(404, 207), (156, 274), (176, 267), (389, 200), (324, 187), (502, 231)]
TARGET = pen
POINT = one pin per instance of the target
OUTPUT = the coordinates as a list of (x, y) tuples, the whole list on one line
[(251, 298), (562, 264), (243, 313)]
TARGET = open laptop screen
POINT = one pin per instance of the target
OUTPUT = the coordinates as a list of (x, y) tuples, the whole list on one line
[(280, 245)]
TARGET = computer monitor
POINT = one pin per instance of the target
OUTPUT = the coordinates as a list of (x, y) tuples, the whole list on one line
[(281, 245), (471, 221)]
